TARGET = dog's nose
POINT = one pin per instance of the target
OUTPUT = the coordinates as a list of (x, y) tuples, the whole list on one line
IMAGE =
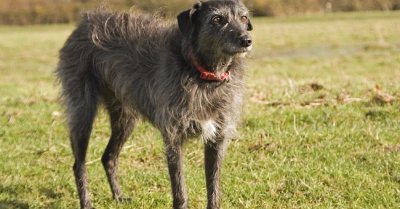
[(245, 41)]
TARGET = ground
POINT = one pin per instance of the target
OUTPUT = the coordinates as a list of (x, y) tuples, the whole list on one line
[(320, 129)]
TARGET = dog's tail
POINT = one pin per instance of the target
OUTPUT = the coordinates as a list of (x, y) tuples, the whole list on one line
[(80, 87)]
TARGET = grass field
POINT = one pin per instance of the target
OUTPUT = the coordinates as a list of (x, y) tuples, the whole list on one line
[(320, 129)]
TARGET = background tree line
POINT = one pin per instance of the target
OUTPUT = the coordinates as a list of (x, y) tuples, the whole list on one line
[(65, 11)]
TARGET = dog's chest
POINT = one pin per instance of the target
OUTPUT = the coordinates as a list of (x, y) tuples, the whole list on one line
[(208, 130)]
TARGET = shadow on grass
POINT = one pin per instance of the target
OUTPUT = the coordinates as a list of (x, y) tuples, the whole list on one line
[(14, 202), (13, 198)]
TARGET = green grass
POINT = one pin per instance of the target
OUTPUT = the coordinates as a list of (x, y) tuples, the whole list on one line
[(320, 129)]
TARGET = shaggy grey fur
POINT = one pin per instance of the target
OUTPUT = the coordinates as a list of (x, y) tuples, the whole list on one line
[(138, 65)]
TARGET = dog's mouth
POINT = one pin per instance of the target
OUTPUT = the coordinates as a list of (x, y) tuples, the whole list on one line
[(235, 50)]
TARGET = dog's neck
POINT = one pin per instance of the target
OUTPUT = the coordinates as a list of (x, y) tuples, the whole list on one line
[(216, 70), (215, 64)]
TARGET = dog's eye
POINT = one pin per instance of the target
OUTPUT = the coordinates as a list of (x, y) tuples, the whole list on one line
[(216, 19), (244, 19)]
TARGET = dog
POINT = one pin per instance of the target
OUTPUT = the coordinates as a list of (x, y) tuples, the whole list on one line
[(186, 79)]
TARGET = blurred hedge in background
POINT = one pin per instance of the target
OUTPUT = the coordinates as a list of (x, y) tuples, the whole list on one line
[(65, 11), (296, 7)]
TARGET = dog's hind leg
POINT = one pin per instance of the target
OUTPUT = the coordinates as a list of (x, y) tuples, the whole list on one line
[(122, 124), (82, 101)]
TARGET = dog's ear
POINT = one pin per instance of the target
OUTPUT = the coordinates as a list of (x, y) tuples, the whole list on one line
[(186, 19), (249, 26), (184, 22)]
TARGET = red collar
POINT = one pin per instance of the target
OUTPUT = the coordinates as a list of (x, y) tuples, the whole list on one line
[(208, 75)]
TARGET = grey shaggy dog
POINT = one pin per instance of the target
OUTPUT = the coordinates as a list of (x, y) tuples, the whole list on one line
[(186, 79)]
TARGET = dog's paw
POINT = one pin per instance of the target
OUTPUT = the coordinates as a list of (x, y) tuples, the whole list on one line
[(123, 199)]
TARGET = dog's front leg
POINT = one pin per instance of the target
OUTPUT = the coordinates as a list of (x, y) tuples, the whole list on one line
[(214, 153), (175, 167)]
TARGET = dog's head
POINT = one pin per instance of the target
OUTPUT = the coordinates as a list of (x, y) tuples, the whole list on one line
[(217, 26)]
